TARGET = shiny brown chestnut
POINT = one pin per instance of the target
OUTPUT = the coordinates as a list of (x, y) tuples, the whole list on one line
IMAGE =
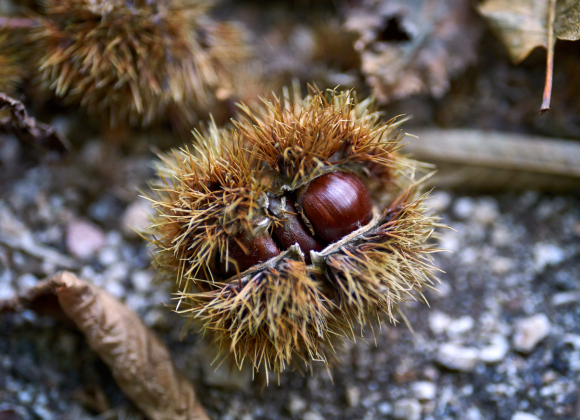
[(260, 248), (336, 204), (292, 229)]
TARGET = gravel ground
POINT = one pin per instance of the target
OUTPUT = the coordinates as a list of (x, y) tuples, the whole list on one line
[(500, 341)]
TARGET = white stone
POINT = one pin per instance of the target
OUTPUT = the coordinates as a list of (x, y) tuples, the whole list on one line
[(486, 211), (385, 408), (407, 409), (26, 281), (520, 415), (352, 396), (312, 415), (463, 207), (439, 201), (84, 239), (547, 254), (565, 298), (439, 322), (501, 265), (115, 288), (460, 325), (473, 413), (108, 256), (136, 218), (424, 390), (530, 331), (141, 280), (7, 292), (296, 405), (456, 357), (496, 351)]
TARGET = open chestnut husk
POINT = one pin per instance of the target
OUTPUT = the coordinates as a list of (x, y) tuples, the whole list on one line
[(320, 216)]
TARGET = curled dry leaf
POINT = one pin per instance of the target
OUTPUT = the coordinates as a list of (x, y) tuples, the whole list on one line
[(523, 25), (27, 128), (414, 47), (140, 363), (482, 160)]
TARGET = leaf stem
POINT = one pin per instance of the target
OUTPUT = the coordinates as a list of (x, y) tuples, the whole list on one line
[(550, 59)]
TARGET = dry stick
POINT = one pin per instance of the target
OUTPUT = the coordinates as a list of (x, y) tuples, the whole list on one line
[(550, 59), (141, 364)]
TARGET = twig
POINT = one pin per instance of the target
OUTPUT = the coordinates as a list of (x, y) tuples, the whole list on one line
[(550, 59), (27, 128), (17, 23), (45, 253)]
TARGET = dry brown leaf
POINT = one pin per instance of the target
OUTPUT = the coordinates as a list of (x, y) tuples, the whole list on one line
[(483, 160), (28, 129), (523, 25), (141, 365), (414, 46)]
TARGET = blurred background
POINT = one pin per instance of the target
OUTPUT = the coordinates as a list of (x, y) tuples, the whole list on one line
[(111, 82)]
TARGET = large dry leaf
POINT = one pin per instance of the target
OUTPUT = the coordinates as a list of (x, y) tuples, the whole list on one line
[(523, 25), (140, 363), (414, 46), (483, 160)]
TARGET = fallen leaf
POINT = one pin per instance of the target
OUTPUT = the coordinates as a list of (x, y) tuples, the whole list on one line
[(141, 364), (415, 46), (523, 25)]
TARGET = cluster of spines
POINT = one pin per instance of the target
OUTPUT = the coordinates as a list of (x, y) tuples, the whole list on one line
[(135, 62), (285, 310)]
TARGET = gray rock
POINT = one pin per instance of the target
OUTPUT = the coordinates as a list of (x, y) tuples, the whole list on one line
[(530, 331), (424, 390), (464, 207), (456, 357), (407, 409), (84, 239), (473, 413)]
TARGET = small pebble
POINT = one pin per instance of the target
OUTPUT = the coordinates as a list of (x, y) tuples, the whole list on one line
[(296, 405), (547, 254), (463, 207), (228, 376), (385, 408), (312, 415), (424, 390), (530, 331), (457, 357), (136, 218), (407, 409), (496, 351), (486, 211), (473, 413), (439, 201), (84, 239), (141, 280), (352, 396), (520, 415), (439, 322)]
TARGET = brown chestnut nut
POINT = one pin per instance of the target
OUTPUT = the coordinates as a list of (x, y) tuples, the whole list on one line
[(293, 230), (260, 248), (336, 204)]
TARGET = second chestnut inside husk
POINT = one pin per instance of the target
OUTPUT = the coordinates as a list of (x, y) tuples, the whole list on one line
[(313, 223)]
